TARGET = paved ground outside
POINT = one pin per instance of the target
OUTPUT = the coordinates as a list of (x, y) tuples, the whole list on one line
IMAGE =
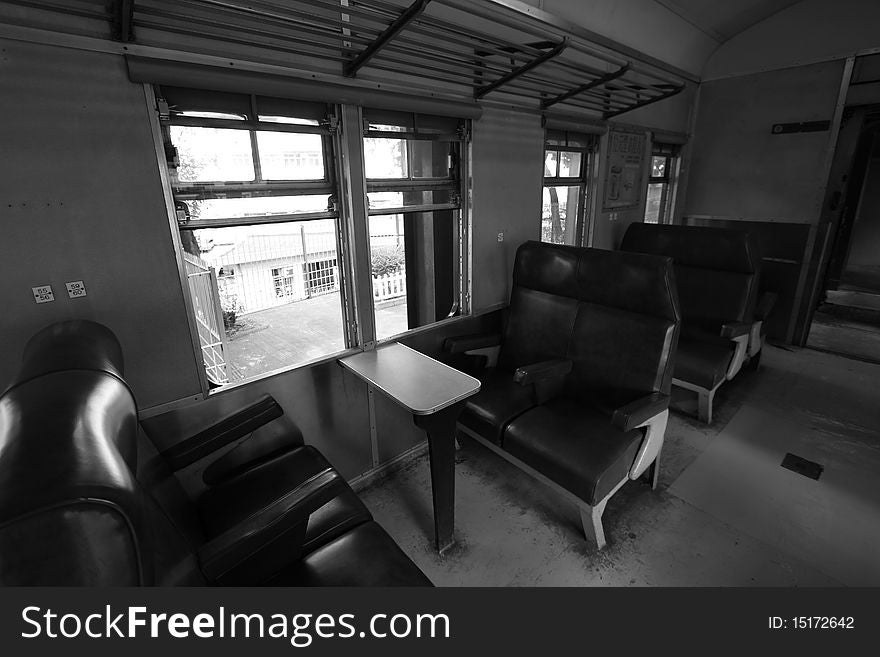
[(269, 339)]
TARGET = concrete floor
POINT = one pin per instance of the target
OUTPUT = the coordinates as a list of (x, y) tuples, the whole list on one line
[(513, 531)]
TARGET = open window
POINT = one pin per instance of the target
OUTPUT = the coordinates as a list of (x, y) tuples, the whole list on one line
[(254, 191), (568, 159), (417, 234), (661, 183)]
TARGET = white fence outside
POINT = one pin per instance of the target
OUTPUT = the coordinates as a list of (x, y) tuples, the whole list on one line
[(389, 286)]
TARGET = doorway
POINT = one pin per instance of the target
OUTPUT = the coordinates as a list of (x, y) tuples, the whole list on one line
[(847, 319)]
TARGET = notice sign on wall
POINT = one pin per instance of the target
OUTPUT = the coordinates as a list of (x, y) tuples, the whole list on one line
[(623, 171)]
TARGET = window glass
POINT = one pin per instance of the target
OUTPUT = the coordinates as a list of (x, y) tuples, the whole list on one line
[(550, 164), (254, 206), (389, 200), (289, 120), (559, 213), (653, 203), (290, 156), (385, 158), (569, 164), (658, 166), (430, 159), (212, 154)]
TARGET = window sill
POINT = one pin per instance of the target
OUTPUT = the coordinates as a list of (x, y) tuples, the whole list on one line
[(334, 356)]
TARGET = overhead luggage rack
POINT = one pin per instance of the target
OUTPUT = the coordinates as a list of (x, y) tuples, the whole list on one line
[(477, 49)]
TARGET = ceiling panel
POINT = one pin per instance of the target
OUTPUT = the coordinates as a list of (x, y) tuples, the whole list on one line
[(723, 19)]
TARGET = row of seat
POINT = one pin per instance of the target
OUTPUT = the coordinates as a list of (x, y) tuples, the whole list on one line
[(717, 273), (576, 392), (576, 388), (87, 499)]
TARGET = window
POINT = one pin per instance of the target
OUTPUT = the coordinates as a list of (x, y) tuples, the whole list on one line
[(568, 160), (254, 188), (413, 171), (664, 159)]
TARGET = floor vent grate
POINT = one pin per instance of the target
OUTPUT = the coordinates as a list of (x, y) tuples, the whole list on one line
[(802, 466)]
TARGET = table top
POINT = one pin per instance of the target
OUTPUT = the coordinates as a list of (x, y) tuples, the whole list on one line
[(415, 381)]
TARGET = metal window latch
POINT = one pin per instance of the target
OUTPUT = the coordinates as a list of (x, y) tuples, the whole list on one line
[(455, 198), (332, 123), (163, 109), (464, 132), (332, 203)]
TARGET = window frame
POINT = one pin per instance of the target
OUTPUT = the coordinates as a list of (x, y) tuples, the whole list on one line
[(671, 153), (411, 129), (181, 191), (345, 184), (562, 141)]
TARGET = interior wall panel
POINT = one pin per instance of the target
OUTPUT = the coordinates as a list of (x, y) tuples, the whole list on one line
[(507, 173), (739, 168), (81, 199)]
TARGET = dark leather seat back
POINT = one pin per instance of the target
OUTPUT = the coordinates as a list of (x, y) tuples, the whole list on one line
[(626, 327), (716, 270), (543, 304), (71, 509), (60, 347)]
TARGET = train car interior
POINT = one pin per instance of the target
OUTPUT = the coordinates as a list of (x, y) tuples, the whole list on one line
[(440, 292)]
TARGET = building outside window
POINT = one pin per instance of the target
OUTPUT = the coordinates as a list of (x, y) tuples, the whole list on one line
[(664, 161), (568, 159)]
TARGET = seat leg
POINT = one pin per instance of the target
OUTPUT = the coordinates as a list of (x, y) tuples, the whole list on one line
[(591, 517), (705, 405), (655, 473)]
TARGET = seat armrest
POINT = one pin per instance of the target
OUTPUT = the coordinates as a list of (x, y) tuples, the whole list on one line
[(227, 431), (221, 555), (734, 330), (637, 412), (465, 343), (765, 305), (548, 369)]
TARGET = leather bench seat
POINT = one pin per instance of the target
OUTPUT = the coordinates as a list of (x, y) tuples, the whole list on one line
[(346, 561), (575, 446), (703, 362), (87, 499), (579, 392), (224, 506), (499, 401), (716, 274)]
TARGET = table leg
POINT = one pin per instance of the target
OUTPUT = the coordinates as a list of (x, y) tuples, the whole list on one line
[(440, 427)]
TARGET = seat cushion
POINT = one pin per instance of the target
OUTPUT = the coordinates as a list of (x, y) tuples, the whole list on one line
[(498, 402), (225, 505), (574, 445), (703, 362), (352, 560)]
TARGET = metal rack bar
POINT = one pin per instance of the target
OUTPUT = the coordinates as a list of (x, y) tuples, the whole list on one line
[(550, 54), (390, 32)]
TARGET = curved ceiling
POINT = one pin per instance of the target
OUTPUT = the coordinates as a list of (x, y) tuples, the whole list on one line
[(683, 33)]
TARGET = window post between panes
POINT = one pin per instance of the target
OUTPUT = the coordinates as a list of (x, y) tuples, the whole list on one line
[(353, 208)]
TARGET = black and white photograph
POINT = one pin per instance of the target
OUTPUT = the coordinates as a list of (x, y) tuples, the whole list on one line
[(459, 307)]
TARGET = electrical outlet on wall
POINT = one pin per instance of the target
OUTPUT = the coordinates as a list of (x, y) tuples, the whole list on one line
[(43, 293)]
